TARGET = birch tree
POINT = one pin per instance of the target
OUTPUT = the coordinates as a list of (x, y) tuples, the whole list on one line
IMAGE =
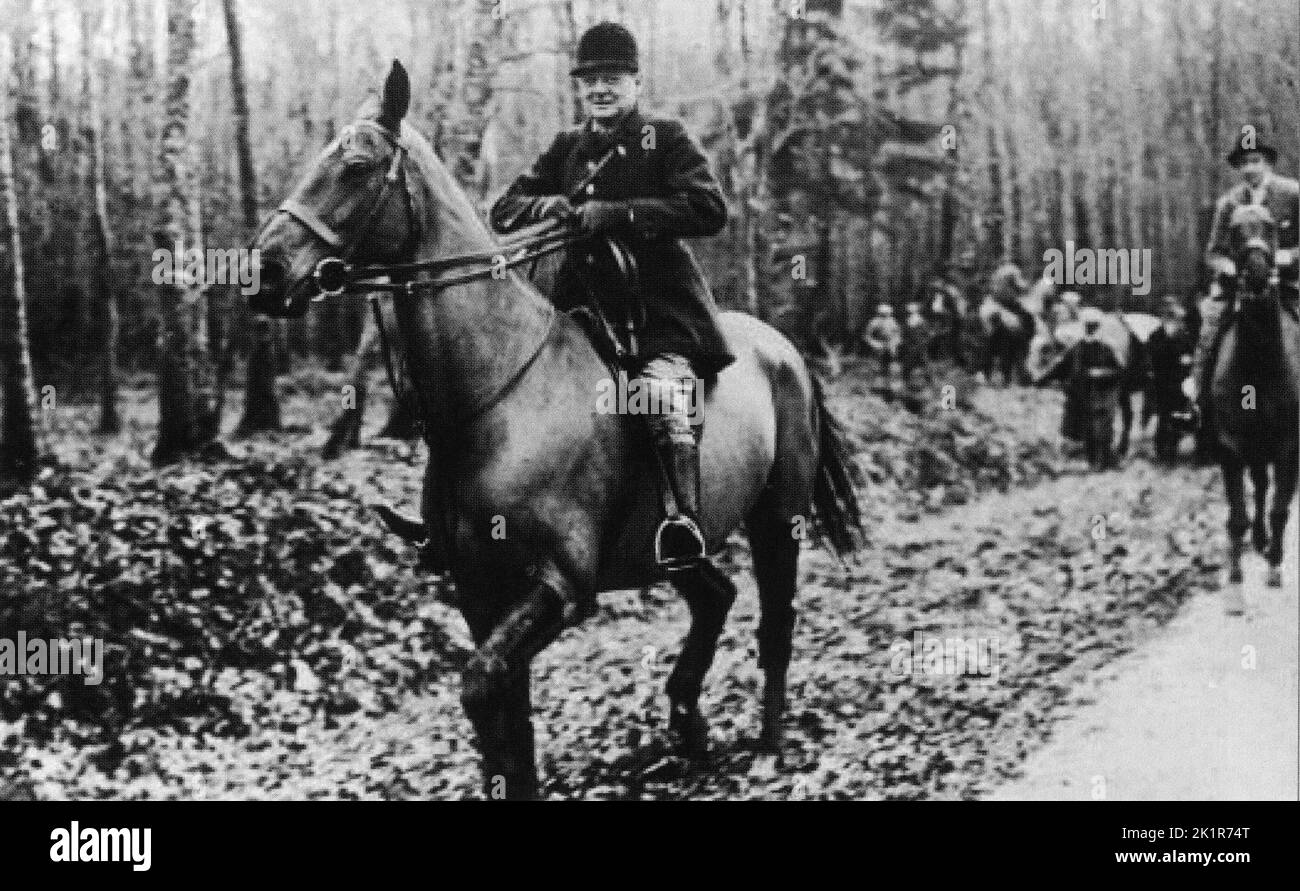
[(19, 443)]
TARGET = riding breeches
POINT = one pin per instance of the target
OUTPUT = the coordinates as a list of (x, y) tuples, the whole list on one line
[(674, 396)]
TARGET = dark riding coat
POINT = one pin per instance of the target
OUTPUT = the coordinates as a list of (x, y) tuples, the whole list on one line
[(664, 184), (1171, 362), (1090, 402), (1282, 198)]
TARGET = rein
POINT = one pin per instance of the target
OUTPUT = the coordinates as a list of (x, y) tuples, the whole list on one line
[(335, 276)]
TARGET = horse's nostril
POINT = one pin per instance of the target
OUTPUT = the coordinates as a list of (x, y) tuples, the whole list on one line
[(272, 278), (273, 275)]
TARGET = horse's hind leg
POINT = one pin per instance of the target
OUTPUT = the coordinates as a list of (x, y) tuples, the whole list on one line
[(709, 594), (1259, 522), (1235, 487), (776, 563), (1284, 486)]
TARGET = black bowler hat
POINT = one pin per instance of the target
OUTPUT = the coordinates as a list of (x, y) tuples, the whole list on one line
[(606, 46), (1238, 154)]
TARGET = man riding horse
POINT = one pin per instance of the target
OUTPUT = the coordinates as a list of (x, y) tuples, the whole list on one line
[(654, 190), (1280, 196)]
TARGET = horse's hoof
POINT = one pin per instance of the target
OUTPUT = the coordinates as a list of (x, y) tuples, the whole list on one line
[(1274, 579), (691, 732)]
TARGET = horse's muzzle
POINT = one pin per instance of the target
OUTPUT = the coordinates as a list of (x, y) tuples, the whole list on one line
[(276, 296)]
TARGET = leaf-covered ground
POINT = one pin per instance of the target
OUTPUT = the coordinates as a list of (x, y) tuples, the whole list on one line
[(264, 638)]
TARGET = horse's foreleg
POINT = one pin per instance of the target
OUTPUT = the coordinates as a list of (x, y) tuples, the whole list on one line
[(709, 595), (1259, 522), (495, 695), (1234, 486), (1284, 486)]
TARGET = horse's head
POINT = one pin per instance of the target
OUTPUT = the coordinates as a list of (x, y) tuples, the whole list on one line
[(355, 205), (1252, 235)]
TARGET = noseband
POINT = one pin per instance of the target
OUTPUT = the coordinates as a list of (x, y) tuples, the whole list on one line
[(330, 273)]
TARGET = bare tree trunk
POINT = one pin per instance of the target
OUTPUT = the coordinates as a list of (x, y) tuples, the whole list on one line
[(100, 284), (345, 432), (948, 205), (188, 411), (19, 444), (570, 36), (1216, 95), (1021, 224), (997, 226), (261, 403), (261, 407), (239, 105), (473, 110)]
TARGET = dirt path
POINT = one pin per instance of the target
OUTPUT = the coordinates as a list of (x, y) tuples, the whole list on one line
[(1064, 577), (1025, 567), (1205, 711)]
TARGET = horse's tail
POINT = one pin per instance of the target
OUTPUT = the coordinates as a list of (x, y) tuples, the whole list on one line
[(835, 498)]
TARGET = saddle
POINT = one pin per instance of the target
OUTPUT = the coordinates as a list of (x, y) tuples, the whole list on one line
[(614, 340)]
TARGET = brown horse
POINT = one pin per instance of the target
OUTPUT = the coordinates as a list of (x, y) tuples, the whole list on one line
[(1253, 394), (537, 498)]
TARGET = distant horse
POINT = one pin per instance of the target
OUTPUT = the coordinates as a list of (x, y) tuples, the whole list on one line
[(1254, 410), (536, 498), (1008, 333)]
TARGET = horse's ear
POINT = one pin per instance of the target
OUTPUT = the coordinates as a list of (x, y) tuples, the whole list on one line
[(396, 99)]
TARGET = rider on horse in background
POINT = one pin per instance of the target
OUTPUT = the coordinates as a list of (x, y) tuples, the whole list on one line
[(655, 190), (1280, 195), (1008, 326)]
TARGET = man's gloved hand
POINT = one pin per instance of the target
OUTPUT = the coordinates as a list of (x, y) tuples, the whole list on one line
[(553, 207), (602, 216), (1189, 388)]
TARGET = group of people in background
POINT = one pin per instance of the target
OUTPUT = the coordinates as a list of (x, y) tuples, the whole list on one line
[(1007, 330), (1029, 331)]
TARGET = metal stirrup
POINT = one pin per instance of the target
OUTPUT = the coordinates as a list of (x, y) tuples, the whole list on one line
[(677, 563)]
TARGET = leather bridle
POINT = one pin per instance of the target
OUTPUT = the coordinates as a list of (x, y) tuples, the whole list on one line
[(335, 275), (345, 247)]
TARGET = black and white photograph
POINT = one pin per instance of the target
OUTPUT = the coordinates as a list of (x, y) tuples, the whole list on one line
[(649, 400)]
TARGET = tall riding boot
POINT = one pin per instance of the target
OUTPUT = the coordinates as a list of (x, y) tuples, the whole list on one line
[(679, 542)]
